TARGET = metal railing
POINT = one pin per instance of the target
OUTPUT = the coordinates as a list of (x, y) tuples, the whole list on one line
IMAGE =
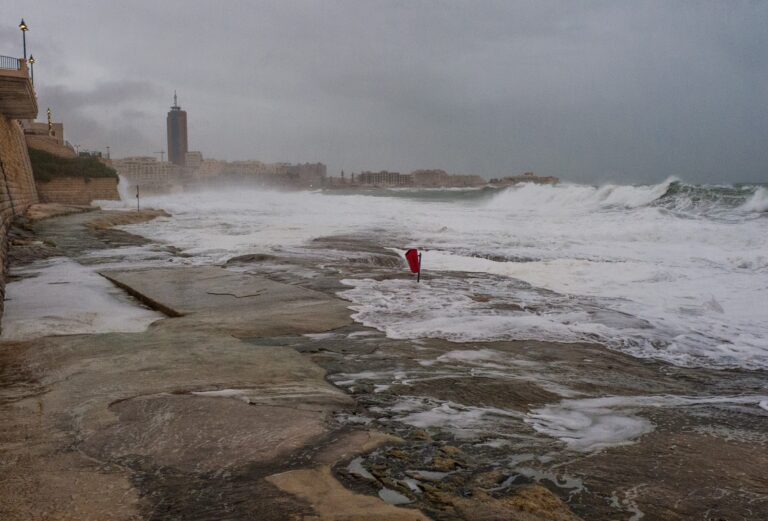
[(7, 62)]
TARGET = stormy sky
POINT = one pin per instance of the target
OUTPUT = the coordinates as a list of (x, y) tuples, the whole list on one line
[(623, 91)]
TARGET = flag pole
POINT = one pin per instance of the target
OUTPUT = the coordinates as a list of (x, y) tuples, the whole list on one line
[(418, 275)]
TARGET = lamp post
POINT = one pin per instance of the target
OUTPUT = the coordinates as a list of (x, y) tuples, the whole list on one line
[(32, 67), (24, 30)]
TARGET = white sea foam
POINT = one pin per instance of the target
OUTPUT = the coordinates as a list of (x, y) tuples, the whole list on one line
[(463, 421), (403, 309), (595, 423)]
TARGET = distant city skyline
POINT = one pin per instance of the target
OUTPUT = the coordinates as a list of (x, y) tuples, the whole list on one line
[(589, 92)]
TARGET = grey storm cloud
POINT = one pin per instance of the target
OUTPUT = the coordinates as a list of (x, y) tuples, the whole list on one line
[(590, 91), (107, 93)]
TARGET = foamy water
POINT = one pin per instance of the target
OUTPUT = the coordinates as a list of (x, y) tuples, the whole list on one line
[(595, 423), (669, 271)]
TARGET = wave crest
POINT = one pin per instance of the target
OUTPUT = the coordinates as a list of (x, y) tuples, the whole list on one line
[(758, 202), (671, 195)]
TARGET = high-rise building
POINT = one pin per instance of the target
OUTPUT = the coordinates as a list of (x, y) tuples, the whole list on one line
[(177, 134)]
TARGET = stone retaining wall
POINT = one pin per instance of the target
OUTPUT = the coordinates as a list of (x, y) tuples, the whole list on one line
[(77, 190), (17, 186), (49, 145)]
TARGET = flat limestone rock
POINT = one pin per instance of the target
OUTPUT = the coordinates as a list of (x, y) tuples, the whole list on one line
[(197, 433), (332, 502), (65, 486), (243, 305), (189, 404), (40, 211), (86, 375), (327, 497)]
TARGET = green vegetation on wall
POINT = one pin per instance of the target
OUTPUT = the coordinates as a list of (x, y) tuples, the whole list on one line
[(47, 167)]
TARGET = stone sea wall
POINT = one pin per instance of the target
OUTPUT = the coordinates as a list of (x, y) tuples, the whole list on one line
[(17, 186), (77, 190), (49, 145)]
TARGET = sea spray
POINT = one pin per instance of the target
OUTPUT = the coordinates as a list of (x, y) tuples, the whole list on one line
[(758, 202)]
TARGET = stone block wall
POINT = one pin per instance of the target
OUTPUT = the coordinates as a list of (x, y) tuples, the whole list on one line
[(49, 145), (78, 190), (17, 186)]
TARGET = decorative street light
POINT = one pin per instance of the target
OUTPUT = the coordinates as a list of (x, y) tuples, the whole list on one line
[(32, 67), (24, 30)]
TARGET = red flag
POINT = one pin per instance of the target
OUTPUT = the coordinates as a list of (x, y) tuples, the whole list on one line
[(414, 260)]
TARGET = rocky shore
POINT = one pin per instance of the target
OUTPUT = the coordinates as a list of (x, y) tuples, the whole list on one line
[(253, 394)]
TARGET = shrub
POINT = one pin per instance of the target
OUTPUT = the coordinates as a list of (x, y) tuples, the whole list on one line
[(46, 166)]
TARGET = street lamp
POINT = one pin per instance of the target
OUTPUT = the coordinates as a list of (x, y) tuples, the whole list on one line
[(32, 67), (24, 30)]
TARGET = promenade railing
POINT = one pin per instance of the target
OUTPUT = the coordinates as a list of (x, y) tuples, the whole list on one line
[(10, 63)]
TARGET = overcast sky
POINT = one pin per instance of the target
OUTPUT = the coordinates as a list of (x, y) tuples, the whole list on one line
[(589, 91)]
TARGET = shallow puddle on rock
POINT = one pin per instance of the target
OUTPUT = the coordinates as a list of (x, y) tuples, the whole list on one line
[(62, 297), (356, 468), (392, 497)]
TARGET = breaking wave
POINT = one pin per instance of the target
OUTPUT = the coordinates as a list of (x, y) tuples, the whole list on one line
[(672, 195), (758, 202)]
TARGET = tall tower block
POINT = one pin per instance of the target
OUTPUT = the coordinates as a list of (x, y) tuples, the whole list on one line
[(177, 133)]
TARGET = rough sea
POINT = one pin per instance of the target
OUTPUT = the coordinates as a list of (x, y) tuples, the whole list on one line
[(672, 271)]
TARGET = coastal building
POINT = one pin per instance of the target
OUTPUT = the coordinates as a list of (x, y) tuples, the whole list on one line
[(176, 123), (308, 175), (385, 178), (151, 175), (193, 160), (527, 177), (210, 168), (430, 178), (284, 175), (465, 181), (441, 179)]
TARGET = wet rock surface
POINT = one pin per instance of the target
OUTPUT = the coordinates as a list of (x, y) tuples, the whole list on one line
[(40, 211), (237, 303), (168, 423), (578, 429), (322, 418)]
